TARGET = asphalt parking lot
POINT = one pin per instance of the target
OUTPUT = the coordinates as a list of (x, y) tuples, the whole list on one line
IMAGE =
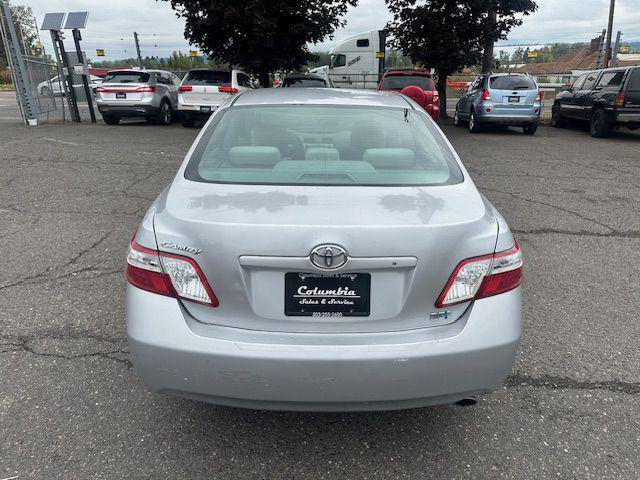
[(71, 406)]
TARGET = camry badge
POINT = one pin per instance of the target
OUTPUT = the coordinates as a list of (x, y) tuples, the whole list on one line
[(328, 257), (182, 248)]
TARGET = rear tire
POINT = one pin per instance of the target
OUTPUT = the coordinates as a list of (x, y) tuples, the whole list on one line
[(530, 129), (474, 127), (187, 122), (457, 121), (165, 116), (110, 120), (557, 120), (599, 125)]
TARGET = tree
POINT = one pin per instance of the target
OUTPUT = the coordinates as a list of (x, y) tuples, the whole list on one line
[(26, 30), (262, 36), (441, 34), (498, 18)]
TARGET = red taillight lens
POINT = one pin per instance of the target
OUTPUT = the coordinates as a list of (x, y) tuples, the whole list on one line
[(168, 274), (486, 95), (145, 89), (227, 90), (540, 96), (185, 88), (484, 276), (100, 89), (620, 100)]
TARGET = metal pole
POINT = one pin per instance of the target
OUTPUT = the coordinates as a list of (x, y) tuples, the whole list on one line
[(56, 50), (135, 37), (607, 48), (71, 94), (616, 47), (85, 78)]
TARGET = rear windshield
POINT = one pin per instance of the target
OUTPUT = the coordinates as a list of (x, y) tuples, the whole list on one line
[(323, 145), (126, 77), (512, 82), (303, 82), (398, 82), (208, 77)]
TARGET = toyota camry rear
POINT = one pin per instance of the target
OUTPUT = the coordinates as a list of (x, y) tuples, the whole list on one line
[(323, 250)]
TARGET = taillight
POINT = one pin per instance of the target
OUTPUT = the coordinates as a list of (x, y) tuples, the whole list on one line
[(620, 100), (146, 89), (436, 96), (539, 96), (486, 95), (168, 274), (484, 276), (227, 90), (100, 89), (185, 88)]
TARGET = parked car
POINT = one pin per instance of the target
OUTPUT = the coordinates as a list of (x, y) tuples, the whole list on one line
[(323, 249), (54, 86), (203, 90), (501, 99), (605, 98), (307, 80), (396, 80), (151, 94)]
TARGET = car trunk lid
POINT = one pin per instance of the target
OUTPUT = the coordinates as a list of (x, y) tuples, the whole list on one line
[(403, 244)]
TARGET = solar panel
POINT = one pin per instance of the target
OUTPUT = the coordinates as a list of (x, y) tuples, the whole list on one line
[(76, 20), (53, 21)]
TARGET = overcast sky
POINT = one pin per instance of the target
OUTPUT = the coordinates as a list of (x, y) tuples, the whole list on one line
[(111, 24)]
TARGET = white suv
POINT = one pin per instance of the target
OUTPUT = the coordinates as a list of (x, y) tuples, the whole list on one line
[(203, 90)]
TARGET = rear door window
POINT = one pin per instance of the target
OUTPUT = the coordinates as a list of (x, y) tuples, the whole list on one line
[(208, 77), (611, 79), (127, 77), (512, 82), (398, 82), (590, 82)]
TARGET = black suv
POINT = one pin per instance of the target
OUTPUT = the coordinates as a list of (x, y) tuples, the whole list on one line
[(606, 98)]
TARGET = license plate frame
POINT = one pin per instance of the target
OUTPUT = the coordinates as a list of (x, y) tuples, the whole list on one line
[(349, 296), (513, 99), (121, 95)]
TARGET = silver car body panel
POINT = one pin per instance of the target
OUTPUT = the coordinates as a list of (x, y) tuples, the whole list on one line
[(246, 352)]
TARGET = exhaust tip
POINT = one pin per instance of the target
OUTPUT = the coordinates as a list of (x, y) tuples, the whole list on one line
[(466, 402)]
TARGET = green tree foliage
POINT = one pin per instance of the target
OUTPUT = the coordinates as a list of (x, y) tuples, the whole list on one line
[(262, 36)]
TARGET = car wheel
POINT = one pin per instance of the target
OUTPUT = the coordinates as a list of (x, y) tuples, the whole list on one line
[(109, 120), (165, 116), (474, 127), (530, 129), (187, 122), (557, 120), (599, 124), (457, 121), (45, 91)]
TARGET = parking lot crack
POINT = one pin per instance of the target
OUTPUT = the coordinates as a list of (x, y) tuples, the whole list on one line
[(561, 383)]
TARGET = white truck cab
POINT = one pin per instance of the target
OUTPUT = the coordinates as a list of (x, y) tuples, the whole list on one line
[(358, 62)]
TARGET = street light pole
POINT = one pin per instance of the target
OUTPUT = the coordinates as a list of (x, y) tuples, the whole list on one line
[(607, 48)]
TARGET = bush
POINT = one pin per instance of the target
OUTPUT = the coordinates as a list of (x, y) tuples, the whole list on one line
[(5, 77)]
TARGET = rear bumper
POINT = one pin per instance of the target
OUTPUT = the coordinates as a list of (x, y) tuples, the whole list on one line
[(173, 353), (508, 116), (129, 110), (631, 117)]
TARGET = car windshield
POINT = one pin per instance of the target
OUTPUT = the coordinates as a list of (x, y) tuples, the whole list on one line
[(208, 77), (398, 82), (512, 82), (303, 82), (126, 77), (323, 145)]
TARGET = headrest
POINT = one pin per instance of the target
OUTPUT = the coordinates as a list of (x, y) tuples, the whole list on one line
[(322, 153), (399, 158), (256, 157)]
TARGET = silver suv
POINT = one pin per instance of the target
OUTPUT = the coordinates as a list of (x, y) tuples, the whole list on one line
[(151, 94), (502, 99)]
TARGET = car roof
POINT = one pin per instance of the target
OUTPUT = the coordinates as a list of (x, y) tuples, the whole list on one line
[(320, 96), (304, 75), (421, 73)]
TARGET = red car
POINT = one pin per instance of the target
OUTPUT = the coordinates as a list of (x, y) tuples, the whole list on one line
[(396, 80)]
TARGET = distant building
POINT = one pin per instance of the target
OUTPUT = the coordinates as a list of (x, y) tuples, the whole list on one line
[(574, 63)]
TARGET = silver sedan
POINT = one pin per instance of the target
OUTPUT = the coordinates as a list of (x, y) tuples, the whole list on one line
[(323, 250)]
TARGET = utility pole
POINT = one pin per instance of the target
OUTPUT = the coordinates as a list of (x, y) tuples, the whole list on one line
[(140, 62), (487, 59), (607, 48)]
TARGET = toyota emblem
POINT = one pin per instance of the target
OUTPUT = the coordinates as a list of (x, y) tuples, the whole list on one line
[(328, 257)]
